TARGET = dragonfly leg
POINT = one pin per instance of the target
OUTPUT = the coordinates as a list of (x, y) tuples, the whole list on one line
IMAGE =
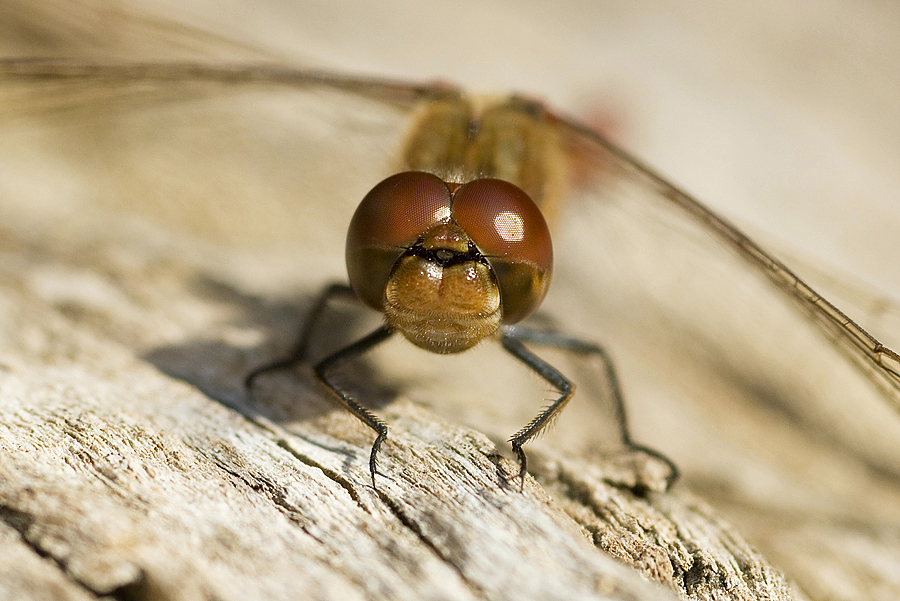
[(321, 369), (513, 344), (512, 339), (298, 353), (367, 417)]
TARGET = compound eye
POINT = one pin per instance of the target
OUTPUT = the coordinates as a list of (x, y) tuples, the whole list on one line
[(391, 217), (509, 229)]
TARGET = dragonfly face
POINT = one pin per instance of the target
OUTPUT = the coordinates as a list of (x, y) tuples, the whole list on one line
[(447, 264)]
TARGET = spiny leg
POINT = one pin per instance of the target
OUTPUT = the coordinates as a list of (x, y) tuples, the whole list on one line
[(367, 417), (334, 360), (582, 347), (514, 346), (298, 354)]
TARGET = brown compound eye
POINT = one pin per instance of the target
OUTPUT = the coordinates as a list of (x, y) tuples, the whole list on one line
[(391, 217), (509, 229)]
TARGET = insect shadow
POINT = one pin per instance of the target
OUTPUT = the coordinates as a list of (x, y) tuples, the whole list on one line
[(217, 367), (289, 397)]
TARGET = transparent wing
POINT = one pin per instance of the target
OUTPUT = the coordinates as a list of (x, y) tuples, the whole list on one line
[(692, 298), (738, 365), (233, 156)]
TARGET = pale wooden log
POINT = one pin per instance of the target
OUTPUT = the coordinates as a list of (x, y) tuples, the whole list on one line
[(137, 467)]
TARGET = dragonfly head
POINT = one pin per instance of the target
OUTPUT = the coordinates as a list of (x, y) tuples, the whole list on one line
[(448, 264)]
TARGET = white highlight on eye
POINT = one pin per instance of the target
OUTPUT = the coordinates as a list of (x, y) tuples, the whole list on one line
[(442, 214), (510, 226)]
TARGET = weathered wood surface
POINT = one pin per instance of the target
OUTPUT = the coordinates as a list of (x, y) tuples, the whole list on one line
[(133, 464)]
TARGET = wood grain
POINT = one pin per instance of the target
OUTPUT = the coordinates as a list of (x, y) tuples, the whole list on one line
[(135, 466)]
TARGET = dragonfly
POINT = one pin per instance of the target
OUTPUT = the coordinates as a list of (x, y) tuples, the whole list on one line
[(678, 293), (454, 251)]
